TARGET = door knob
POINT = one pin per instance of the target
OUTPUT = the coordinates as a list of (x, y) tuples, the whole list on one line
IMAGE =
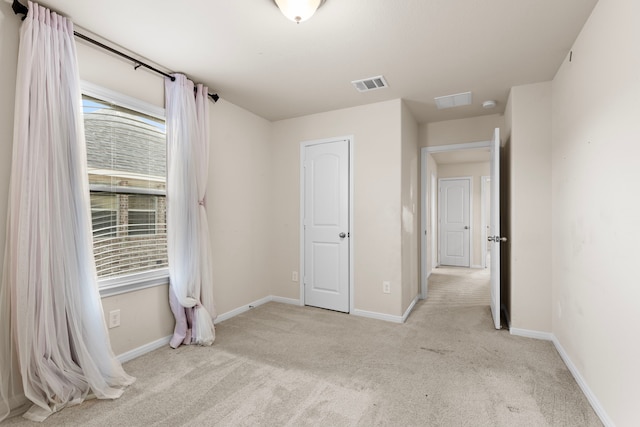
[(466, 227), (502, 239), (342, 235)]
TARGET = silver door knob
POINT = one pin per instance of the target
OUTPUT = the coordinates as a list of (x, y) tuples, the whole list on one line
[(342, 235), (502, 239)]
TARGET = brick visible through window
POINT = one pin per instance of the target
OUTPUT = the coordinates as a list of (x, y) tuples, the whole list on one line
[(126, 156)]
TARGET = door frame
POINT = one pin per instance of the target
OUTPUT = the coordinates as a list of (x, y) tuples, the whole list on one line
[(485, 181), (469, 202), (424, 173), (303, 144)]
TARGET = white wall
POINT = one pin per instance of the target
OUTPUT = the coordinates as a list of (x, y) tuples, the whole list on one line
[(530, 201), (377, 199), (595, 205), (475, 170)]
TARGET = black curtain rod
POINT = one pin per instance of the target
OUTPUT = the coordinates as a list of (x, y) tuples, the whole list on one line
[(19, 8)]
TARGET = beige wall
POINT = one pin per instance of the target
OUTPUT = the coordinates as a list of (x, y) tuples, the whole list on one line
[(376, 129), (459, 131), (239, 202), (410, 208), (595, 205), (431, 220), (530, 201), (475, 170)]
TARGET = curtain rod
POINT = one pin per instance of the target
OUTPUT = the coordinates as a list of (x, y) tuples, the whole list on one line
[(19, 8)]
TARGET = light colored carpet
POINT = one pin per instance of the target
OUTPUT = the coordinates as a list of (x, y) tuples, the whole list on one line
[(283, 365)]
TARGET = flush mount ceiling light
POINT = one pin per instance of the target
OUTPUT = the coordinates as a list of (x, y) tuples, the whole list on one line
[(298, 10), (489, 104)]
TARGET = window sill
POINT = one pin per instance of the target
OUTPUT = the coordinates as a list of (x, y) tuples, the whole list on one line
[(133, 282)]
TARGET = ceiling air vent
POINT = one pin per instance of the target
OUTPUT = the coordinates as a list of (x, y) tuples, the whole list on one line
[(372, 83), (450, 101)]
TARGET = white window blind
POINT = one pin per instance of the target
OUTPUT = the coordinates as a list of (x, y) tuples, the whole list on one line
[(126, 156)]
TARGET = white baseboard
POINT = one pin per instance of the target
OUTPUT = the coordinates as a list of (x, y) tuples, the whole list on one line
[(144, 349), (284, 300), (149, 347), (591, 397), (409, 309), (547, 336), (229, 314), (593, 400), (379, 316)]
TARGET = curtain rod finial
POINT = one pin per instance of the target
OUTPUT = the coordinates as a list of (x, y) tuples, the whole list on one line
[(19, 8)]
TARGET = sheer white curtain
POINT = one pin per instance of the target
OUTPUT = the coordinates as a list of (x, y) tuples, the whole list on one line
[(191, 289), (53, 329)]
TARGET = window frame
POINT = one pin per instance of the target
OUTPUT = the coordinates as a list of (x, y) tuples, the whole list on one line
[(146, 279)]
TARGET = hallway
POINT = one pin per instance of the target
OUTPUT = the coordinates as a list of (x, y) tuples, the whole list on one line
[(459, 286)]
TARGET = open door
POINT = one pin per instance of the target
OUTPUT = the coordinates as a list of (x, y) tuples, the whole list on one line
[(494, 232)]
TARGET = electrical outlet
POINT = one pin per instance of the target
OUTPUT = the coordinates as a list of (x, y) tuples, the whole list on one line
[(114, 319), (294, 276), (386, 287)]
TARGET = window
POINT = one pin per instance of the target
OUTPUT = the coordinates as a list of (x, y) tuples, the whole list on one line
[(126, 157)]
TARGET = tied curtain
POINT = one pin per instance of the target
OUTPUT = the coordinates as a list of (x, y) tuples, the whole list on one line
[(54, 344), (190, 275)]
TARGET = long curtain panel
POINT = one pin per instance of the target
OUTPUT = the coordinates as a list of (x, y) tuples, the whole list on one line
[(191, 287), (53, 330)]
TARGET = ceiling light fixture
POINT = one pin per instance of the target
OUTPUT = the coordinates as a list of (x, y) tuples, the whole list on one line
[(489, 104), (298, 10)]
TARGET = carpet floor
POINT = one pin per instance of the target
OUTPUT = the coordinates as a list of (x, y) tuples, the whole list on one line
[(283, 365)]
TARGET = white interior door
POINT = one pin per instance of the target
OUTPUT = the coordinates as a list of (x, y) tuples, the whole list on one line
[(494, 234), (326, 225), (455, 221)]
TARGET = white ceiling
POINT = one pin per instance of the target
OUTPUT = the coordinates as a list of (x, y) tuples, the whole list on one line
[(252, 56)]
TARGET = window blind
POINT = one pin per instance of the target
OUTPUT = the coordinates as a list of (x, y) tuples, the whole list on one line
[(126, 157)]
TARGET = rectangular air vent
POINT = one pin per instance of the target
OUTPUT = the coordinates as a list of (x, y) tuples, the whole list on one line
[(372, 83), (450, 101)]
